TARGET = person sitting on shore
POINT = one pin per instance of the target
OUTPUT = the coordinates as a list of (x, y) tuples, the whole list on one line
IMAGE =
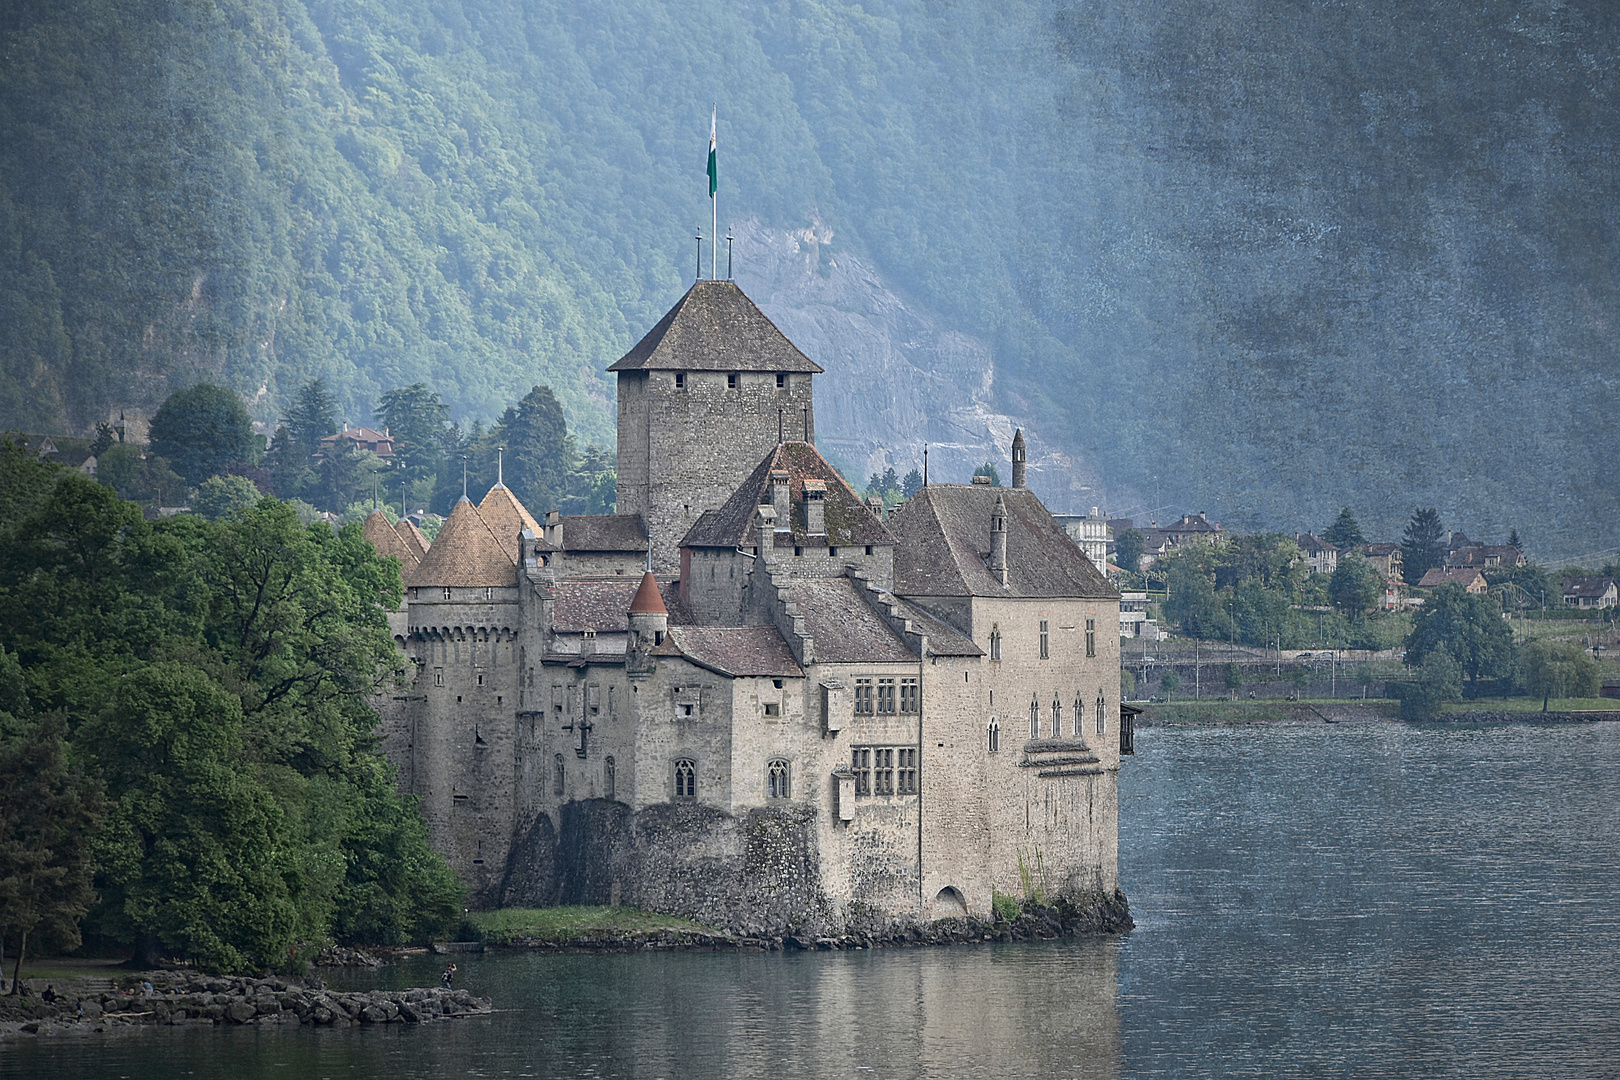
[(49, 996)]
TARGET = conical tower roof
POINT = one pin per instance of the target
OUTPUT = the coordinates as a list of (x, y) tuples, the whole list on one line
[(415, 539), (506, 518), (647, 601), (380, 532), (715, 327), (466, 554)]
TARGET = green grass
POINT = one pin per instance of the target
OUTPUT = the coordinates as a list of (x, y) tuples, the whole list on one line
[(1523, 704), (562, 924), (1254, 712)]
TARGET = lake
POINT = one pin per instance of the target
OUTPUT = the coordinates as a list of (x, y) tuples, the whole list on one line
[(1370, 900)]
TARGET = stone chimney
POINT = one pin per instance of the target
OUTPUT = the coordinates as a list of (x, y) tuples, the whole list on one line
[(1020, 456), (815, 507), (875, 504), (554, 529), (998, 540), (781, 500)]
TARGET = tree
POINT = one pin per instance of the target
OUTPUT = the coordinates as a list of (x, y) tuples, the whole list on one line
[(912, 483), (48, 816), (1344, 532), (1557, 669), (539, 451), (219, 496), (1233, 678), (416, 420), (312, 418), (1169, 682), (989, 469), (1513, 538), (202, 430), (1424, 545), (1356, 586), (1439, 680), (1468, 627), (345, 474), (1128, 547)]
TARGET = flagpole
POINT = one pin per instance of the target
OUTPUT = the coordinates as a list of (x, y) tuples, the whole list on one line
[(714, 189)]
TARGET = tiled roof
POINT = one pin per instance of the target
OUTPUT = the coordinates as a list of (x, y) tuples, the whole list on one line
[(944, 541), (1435, 577), (647, 601), (738, 651), (604, 606), (506, 518), (414, 538), (1192, 524), (1587, 586), (715, 327), (466, 554), (1311, 545), (604, 532), (387, 542), (845, 628), (1380, 550), (943, 638), (849, 521)]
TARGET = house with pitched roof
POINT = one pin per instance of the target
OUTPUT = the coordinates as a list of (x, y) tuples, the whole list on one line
[(1320, 556), (1471, 580), (749, 697), (1590, 592)]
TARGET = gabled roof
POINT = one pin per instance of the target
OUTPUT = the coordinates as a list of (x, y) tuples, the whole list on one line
[(943, 638), (603, 532), (738, 651), (1311, 545), (849, 521), (604, 606), (845, 627), (944, 541), (715, 327), (506, 518), (466, 554), (1379, 549), (382, 536), (1594, 587), (415, 539), (1435, 577)]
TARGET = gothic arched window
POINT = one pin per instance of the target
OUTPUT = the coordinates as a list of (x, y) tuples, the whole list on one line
[(994, 738), (1079, 715), (1102, 714), (1034, 717), (777, 779), (609, 777), (1057, 718), (995, 642), (685, 779)]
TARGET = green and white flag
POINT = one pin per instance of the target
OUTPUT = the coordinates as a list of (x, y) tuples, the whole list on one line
[(714, 174)]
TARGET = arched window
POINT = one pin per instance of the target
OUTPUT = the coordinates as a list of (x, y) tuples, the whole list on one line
[(994, 735), (558, 776), (995, 642), (609, 777), (1102, 714), (777, 779), (1034, 717), (1079, 715), (1057, 718), (685, 779)]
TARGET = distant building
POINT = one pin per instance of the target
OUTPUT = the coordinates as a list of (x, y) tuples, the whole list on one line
[(1480, 556), (1321, 556), (1590, 592), (1133, 614), (363, 438), (1386, 558), (1194, 529), (1471, 580), (1091, 532)]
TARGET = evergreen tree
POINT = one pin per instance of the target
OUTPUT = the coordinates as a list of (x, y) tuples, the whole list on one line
[(539, 452), (989, 469), (912, 484), (1513, 539), (202, 431), (1344, 532), (416, 420), (1424, 545), (1128, 550)]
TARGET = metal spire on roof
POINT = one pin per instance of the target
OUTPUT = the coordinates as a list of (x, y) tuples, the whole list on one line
[(500, 471), (925, 464), (464, 477)]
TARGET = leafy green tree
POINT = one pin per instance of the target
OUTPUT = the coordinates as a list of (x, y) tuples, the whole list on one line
[(1559, 669), (49, 813), (1233, 678), (416, 419), (291, 469), (1468, 627), (912, 483), (1192, 603), (140, 477), (1439, 681), (202, 431), (1127, 684), (345, 474), (1128, 547), (1356, 586), (989, 469), (1344, 532), (1423, 547), (1169, 682), (219, 496)]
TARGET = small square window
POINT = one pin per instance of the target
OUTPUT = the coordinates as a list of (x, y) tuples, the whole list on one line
[(781, 381), (731, 381), (680, 380), (773, 708)]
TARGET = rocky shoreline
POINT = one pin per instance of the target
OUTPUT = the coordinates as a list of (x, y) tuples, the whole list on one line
[(192, 999)]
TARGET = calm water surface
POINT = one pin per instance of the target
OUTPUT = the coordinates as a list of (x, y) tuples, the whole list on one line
[(1334, 901)]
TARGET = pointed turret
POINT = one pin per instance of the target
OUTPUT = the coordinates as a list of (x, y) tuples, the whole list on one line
[(648, 617), (380, 532), (998, 539), (466, 554), (415, 539), (1020, 455), (507, 518)]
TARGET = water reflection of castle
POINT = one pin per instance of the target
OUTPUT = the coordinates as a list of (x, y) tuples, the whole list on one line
[(807, 714)]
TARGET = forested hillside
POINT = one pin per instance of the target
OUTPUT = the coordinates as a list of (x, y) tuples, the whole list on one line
[(1261, 260)]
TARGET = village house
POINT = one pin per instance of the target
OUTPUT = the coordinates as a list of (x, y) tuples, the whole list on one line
[(363, 438), (1385, 558), (749, 697), (1471, 580), (1590, 592), (1321, 557)]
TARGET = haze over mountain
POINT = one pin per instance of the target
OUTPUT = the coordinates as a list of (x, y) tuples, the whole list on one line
[(1256, 259)]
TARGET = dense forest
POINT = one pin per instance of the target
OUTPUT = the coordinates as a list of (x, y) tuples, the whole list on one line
[(1253, 259)]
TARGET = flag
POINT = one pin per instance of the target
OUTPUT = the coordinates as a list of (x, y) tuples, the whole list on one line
[(714, 174)]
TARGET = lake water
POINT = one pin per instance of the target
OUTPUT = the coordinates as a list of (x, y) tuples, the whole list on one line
[(1362, 901)]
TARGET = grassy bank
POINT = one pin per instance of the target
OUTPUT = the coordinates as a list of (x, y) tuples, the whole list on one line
[(1266, 712), (562, 925), (1525, 704)]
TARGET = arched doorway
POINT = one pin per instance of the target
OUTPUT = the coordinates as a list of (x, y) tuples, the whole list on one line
[(949, 903)]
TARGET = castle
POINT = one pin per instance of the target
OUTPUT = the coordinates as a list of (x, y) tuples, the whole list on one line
[(749, 697)]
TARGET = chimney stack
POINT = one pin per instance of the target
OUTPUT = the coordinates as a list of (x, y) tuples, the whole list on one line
[(998, 540), (815, 507), (781, 500), (1020, 455)]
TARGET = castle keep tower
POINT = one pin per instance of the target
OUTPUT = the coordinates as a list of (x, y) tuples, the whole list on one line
[(702, 399)]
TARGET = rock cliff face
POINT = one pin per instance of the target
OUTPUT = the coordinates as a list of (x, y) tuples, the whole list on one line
[(898, 375)]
